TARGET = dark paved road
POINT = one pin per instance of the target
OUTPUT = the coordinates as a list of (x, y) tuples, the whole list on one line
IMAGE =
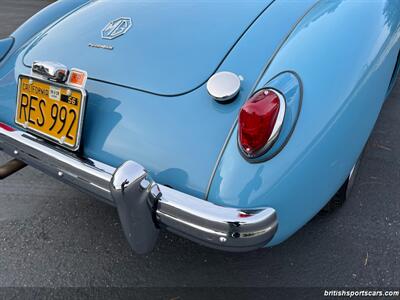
[(53, 235)]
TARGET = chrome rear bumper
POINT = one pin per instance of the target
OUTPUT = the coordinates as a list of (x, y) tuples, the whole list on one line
[(143, 205)]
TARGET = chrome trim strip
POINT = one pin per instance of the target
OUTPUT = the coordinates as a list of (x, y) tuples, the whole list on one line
[(279, 120), (142, 204)]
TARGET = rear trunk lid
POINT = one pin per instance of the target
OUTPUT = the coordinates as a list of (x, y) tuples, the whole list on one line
[(169, 49)]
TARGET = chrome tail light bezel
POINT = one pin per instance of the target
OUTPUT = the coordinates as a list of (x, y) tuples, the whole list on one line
[(275, 131)]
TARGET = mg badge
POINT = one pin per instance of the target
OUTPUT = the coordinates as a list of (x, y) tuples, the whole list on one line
[(116, 28)]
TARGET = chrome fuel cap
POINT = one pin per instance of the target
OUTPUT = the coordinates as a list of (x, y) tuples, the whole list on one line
[(223, 86)]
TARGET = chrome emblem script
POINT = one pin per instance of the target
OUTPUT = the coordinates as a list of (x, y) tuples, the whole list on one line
[(116, 28)]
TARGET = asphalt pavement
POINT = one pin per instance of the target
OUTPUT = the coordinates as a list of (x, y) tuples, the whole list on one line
[(52, 235)]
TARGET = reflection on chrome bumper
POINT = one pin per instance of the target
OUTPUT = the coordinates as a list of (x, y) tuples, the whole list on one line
[(143, 205)]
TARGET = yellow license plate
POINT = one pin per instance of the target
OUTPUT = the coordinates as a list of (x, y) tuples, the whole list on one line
[(51, 110)]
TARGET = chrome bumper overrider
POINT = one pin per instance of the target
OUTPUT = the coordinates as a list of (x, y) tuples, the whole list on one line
[(143, 205)]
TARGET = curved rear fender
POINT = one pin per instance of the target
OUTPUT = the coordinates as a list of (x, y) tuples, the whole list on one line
[(44, 18), (344, 53)]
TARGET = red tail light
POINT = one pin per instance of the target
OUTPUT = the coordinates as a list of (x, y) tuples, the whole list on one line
[(260, 120)]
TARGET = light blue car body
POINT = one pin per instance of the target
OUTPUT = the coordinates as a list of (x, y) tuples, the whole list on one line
[(334, 61)]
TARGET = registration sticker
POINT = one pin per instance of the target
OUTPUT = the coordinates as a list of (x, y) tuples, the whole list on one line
[(55, 93)]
